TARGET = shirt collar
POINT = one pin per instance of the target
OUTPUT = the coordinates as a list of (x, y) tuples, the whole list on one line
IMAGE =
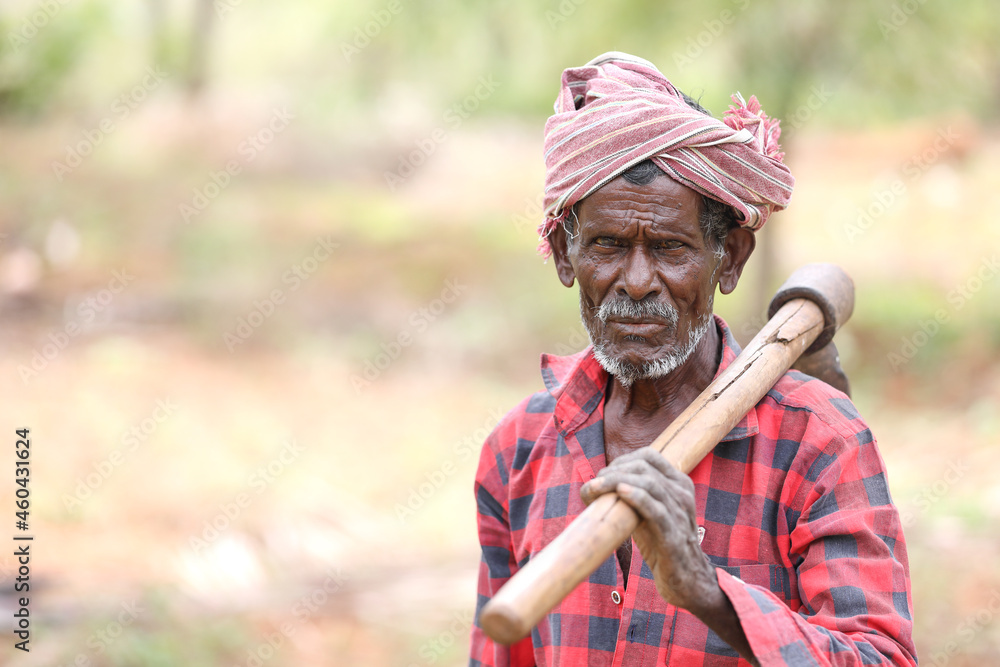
[(579, 385)]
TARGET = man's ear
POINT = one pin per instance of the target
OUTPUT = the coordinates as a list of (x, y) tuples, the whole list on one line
[(738, 247), (560, 254)]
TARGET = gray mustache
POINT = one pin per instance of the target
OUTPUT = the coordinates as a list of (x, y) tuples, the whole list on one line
[(624, 307)]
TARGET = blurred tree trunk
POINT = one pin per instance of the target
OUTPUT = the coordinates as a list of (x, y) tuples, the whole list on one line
[(197, 66), (767, 244), (810, 35), (158, 37)]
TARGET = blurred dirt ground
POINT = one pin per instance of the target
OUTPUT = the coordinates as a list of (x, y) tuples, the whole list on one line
[(302, 495)]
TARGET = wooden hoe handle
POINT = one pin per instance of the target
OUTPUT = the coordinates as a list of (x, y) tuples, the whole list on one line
[(812, 304)]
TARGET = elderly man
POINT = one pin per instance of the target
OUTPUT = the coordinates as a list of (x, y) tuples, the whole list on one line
[(783, 546)]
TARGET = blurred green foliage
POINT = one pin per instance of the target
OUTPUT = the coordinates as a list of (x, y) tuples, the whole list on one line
[(889, 60), (40, 52)]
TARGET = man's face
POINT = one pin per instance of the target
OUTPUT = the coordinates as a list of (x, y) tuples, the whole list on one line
[(639, 252)]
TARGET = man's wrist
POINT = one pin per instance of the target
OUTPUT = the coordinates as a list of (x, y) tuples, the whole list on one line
[(709, 599)]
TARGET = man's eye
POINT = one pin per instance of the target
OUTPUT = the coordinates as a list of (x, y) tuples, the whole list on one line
[(605, 242), (669, 245)]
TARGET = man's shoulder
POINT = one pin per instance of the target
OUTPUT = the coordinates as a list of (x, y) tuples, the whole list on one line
[(797, 392), (525, 420)]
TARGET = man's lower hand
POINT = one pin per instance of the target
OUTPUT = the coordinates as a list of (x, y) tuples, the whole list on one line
[(667, 535)]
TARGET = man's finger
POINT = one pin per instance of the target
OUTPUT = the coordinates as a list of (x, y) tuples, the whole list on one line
[(646, 461), (660, 463), (649, 508), (640, 474), (653, 459)]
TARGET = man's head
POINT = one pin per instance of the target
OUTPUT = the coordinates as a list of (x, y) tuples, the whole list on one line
[(650, 203), (648, 254)]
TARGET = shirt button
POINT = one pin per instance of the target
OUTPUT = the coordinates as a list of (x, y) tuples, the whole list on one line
[(615, 597)]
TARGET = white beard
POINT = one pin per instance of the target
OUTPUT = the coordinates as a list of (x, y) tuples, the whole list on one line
[(627, 373)]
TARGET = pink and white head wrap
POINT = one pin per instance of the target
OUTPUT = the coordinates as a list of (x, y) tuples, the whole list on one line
[(619, 110)]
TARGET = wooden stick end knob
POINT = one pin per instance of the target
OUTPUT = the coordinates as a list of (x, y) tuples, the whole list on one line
[(826, 285), (502, 623)]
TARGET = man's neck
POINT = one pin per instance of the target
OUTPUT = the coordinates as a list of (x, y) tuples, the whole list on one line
[(663, 399)]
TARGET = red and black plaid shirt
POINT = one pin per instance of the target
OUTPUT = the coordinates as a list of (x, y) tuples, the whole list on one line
[(796, 514)]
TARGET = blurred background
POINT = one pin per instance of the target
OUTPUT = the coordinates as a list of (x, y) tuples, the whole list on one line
[(268, 278)]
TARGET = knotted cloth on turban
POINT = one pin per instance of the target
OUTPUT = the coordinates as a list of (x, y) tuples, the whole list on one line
[(618, 110)]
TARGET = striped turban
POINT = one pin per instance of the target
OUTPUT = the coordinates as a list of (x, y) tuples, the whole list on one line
[(619, 110)]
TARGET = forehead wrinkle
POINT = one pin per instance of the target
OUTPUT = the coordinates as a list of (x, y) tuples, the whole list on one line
[(662, 197), (621, 215), (632, 199)]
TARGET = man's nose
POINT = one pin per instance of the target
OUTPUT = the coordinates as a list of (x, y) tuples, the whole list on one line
[(639, 279)]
